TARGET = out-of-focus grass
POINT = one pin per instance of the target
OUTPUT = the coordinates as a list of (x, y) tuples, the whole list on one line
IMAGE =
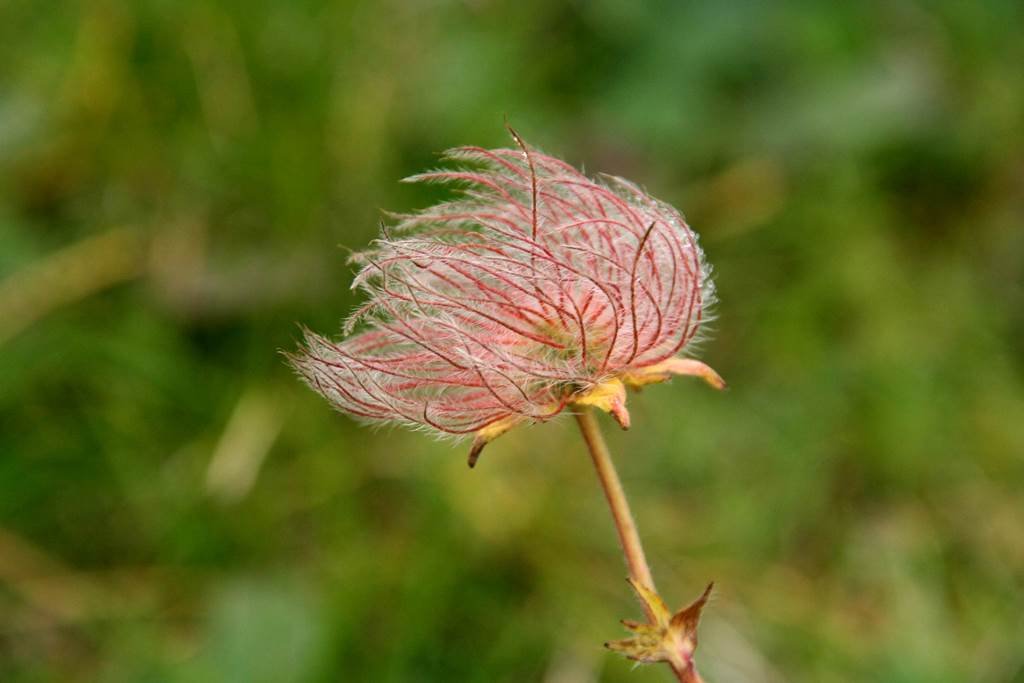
[(175, 180)]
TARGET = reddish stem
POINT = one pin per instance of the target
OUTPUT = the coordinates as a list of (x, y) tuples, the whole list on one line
[(629, 538)]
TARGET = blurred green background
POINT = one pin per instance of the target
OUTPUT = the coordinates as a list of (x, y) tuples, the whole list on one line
[(177, 181)]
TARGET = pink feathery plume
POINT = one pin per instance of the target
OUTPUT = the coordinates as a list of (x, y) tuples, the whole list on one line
[(535, 288)]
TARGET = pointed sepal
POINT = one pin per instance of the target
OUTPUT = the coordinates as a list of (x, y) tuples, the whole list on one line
[(609, 396), (666, 369), (489, 433), (652, 602), (644, 647), (686, 620)]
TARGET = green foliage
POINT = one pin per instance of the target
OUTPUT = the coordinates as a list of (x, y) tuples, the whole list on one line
[(175, 179)]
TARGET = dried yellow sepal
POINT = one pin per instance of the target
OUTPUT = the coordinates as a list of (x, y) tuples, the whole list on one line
[(609, 396), (666, 369), (490, 433)]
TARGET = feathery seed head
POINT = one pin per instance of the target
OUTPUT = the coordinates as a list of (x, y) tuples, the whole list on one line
[(535, 289)]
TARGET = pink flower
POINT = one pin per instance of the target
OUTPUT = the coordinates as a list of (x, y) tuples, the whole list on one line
[(535, 289)]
